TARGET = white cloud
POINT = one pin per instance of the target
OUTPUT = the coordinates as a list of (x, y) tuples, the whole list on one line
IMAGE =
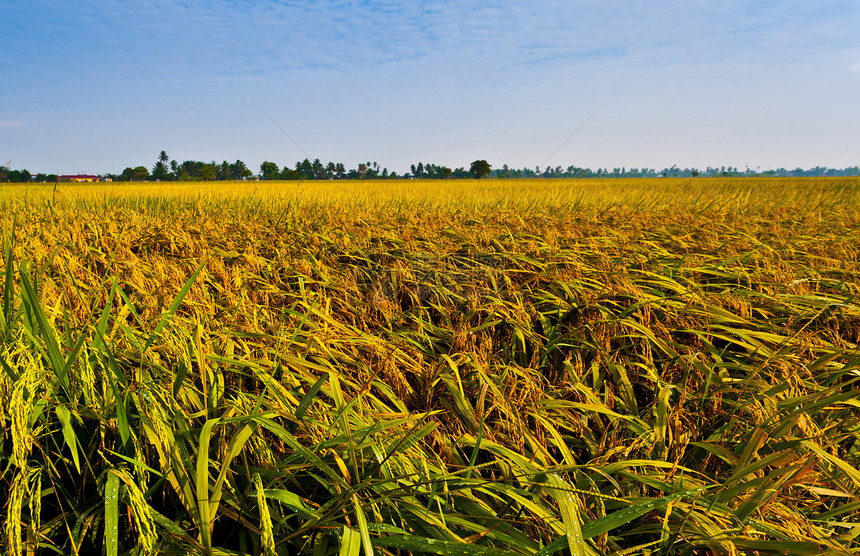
[(7, 124)]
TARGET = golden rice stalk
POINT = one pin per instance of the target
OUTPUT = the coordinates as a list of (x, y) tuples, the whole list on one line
[(21, 407), (27, 482), (267, 535), (13, 513), (35, 506)]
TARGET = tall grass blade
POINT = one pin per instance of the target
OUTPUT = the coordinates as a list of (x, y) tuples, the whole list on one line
[(39, 327), (362, 526), (350, 542), (569, 508), (8, 285), (111, 504)]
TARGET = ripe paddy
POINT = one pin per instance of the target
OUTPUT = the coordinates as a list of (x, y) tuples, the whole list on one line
[(448, 367)]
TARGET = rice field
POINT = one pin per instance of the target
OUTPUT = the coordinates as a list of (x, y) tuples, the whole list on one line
[(494, 368)]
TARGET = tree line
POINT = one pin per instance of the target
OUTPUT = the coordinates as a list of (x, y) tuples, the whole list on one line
[(671, 172), (166, 169), (24, 176)]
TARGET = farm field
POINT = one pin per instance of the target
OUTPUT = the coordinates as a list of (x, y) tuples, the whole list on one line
[(493, 367)]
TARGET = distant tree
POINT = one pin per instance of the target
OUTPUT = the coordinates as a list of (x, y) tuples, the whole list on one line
[(340, 170), (174, 168), (207, 172), (305, 170), (479, 169), (190, 170), (19, 176), (160, 171), (445, 172), (318, 169), (289, 174), (330, 170), (140, 173), (270, 170), (239, 171), (224, 171), (162, 157)]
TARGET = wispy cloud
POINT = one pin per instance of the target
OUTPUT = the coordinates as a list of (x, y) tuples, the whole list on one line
[(409, 77), (484, 38)]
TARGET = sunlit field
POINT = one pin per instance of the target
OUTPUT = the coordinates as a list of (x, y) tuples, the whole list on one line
[(694, 194), (481, 367)]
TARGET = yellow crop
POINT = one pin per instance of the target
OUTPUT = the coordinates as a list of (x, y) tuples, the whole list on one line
[(446, 367)]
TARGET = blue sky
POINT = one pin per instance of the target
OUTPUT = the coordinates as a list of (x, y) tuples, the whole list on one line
[(97, 86)]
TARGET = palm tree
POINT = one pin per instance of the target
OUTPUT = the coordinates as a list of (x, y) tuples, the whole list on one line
[(318, 169), (239, 170), (162, 157), (159, 171)]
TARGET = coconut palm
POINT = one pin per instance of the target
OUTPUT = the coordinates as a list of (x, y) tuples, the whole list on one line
[(159, 171)]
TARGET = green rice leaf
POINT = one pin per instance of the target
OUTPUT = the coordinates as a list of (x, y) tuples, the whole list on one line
[(362, 525), (71, 439), (350, 542), (412, 544), (111, 503), (569, 508), (622, 517)]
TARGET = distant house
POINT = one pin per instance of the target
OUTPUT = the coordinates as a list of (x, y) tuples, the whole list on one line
[(79, 177)]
